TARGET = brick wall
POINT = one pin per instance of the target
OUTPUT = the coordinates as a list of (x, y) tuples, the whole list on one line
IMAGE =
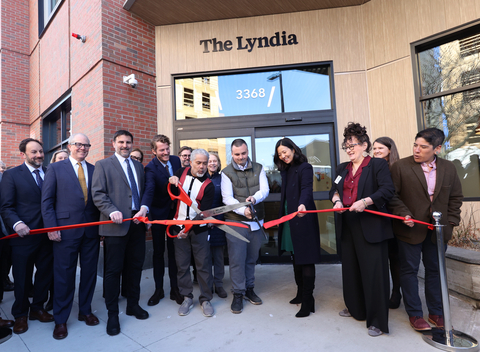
[(14, 78)]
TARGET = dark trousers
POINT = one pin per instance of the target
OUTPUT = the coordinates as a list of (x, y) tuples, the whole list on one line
[(410, 255), (24, 257), (128, 249), (366, 283), (65, 258), (158, 239), (200, 247), (218, 262), (3, 263)]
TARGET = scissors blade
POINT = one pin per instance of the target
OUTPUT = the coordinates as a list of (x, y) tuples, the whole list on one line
[(232, 232), (220, 210)]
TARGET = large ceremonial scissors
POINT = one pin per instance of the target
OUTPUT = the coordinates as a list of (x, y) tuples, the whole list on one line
[(206, 214)]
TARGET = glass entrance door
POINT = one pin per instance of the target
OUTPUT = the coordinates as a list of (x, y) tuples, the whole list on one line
[(316, 142)]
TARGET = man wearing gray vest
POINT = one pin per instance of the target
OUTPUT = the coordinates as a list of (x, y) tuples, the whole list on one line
[(244, 180)]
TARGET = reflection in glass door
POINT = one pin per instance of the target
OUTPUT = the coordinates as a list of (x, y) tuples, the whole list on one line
[(315, 141)]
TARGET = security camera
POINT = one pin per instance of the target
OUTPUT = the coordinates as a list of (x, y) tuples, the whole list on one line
[(130, 80)]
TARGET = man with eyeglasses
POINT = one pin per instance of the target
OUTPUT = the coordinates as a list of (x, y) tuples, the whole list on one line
[(67, 200), (184, 155)]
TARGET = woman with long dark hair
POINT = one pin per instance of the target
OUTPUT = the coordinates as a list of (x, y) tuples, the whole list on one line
[(362, 183), (385, 148), (300, 235)]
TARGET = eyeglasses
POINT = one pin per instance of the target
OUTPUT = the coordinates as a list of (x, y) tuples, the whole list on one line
[(80, 145), (349, 147), (136, 158), (185, 156)]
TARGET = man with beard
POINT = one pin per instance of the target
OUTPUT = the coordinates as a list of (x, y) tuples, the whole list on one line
[(156, 198), (118, 184), (21, 210), (201, 191), (184, 154)]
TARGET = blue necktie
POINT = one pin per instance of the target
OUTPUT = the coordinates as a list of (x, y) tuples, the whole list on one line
[(39, 179), (133, 186)]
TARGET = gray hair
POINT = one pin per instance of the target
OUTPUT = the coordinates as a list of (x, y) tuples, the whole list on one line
[(198, 151), (3, 166), (71, 139)]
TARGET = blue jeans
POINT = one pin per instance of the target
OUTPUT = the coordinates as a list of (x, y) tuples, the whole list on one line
[(243, 257)]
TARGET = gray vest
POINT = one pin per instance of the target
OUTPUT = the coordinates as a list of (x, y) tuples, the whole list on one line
[(245, 184)]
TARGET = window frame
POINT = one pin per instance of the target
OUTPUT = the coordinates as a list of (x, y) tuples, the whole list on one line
[(456, 33), (43, 22)]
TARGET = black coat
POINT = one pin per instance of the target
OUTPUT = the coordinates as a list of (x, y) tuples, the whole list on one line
[(217, 236), (375, 182), (297, 188)]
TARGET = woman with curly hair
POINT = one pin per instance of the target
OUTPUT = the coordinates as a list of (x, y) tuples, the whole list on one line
[(362, 183)]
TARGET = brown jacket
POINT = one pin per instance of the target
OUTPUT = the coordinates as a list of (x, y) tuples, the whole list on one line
[(411, 198)]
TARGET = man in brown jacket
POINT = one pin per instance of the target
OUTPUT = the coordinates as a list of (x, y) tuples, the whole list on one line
[(424, 183)]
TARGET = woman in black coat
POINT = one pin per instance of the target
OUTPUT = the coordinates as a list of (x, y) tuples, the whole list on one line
[(363, 183), (300, 235)]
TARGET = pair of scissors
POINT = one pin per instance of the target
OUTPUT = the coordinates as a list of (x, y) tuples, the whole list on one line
[(255, 218), (206, 214)]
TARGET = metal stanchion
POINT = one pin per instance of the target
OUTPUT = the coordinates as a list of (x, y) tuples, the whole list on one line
[(447, 339)]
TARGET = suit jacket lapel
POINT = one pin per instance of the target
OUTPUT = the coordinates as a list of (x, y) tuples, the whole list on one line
[(418, 171), (138, 170), (29, 178), (119, 168), (90, 169), (342, 174), (71, 172), (162, 168), (439, 179)]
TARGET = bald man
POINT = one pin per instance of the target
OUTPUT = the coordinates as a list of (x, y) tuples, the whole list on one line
[(67, 200)]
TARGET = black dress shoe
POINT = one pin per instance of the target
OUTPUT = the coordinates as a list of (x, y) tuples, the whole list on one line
[(60, 331), (220, 291), (155, 299), (176, 296), (113, 325), (138, 312), (89, 319), (5, 334), (395, 300)]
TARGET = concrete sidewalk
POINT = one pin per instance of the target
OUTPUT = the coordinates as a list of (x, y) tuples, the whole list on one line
[(271, 326)]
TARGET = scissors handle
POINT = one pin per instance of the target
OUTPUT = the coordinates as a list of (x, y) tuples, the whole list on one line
[(186, 230), (183, 196)]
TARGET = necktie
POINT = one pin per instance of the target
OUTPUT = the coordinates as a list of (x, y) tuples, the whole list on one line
[(39, 179), (83, 182), (168, 170), (133, 185)]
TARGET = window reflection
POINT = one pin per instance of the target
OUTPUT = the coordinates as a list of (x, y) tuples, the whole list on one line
[(315, 147), (269, 92)]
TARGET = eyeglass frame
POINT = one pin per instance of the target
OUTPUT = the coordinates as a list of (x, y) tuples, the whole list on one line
[(135, 158), (185, 156), (350, 147), (80, 145)]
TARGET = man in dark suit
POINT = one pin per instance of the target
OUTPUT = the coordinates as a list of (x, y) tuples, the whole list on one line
[(424, 183), (21, 210), (67, 200), (118, 184), (156, 198)]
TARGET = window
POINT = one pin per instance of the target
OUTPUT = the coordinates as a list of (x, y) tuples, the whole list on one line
[(188, 97), (448, 94), (46, 10), (56, 128), (256, 92), (206, 101)]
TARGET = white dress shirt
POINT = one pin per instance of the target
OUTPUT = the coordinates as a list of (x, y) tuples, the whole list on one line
[(75, 168), (260, 195)]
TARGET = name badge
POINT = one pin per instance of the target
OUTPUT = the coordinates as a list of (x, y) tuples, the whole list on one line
[(338, 179)]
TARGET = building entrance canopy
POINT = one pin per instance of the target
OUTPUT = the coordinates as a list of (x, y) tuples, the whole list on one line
[(165, 12)]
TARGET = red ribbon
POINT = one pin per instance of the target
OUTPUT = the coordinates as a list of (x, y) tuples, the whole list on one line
[(140, 218), (288, 217)]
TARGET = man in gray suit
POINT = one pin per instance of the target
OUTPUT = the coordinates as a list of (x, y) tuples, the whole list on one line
[(117, 186)]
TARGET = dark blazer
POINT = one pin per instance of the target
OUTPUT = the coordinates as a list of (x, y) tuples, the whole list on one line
[(375, 182), (411, 198), (297, 188), (217, 236), (21, 201), (111, 192), (63, 202), (156, 197)]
